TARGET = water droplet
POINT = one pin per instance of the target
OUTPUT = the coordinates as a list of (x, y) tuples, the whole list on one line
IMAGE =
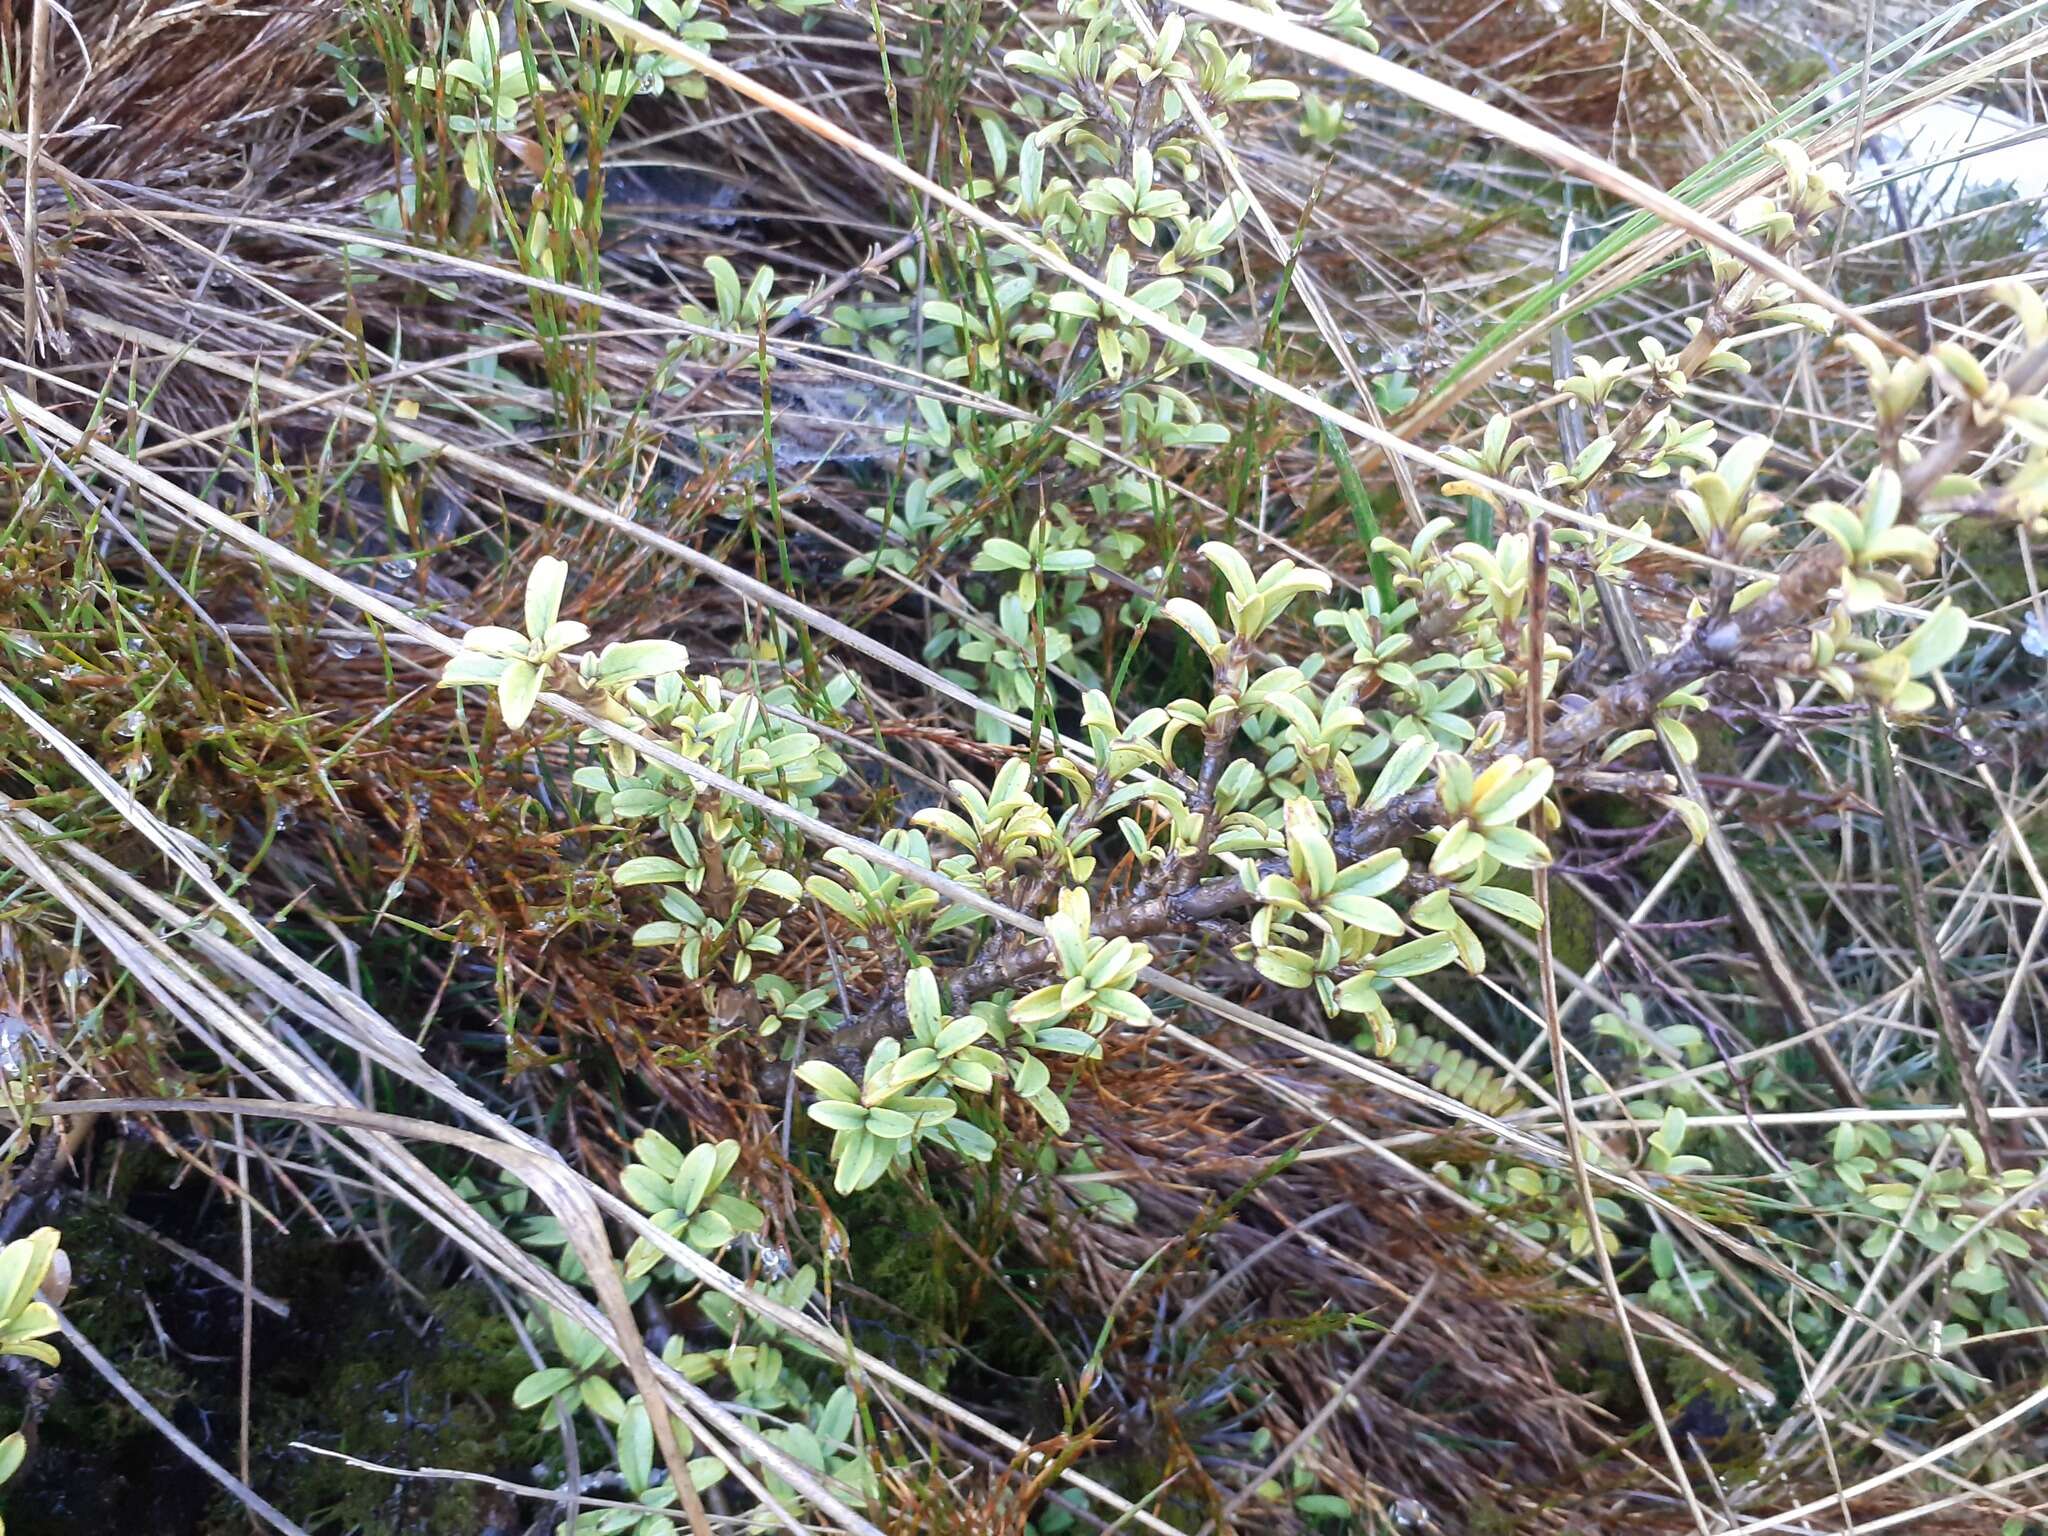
[(345, 647), (130, 725), (22, 643), (137, 768), (398, 570), (2034, 637), (75, 978), (13, 1029)]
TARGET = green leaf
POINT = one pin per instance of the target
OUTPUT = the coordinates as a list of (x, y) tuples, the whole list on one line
[(1935, 643), (1039, 1007), (694, 1182), (825, 1079), (959, 1034), (646, 1188), (1286, 967), (1689, 811), (469, 667), (544, 588), (725, 284), (1515, 797), (518, 688), (1069, 1042), (1200, 627), (1003, 555), (780, 884), (921, 1000), (1516, 847), (1512, 905), (636, 1447), (862, 1161), (889, 1124), (636, 659), (837, 1115), (1309, 847), (602, 1399), (1416, 957), (708, 1232), (658, 1153), (1363, 518), (35, 1350), (706, 1472), (837, 897), (1366, 912), (1324, 1505), (1670, 1135), (969, 1140), (1051, 1109), (1410, 761), (650, 869), (23, 1264), (542, 1386)]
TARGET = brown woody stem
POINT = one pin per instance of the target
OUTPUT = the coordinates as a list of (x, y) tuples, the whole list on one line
[(1707, 649)]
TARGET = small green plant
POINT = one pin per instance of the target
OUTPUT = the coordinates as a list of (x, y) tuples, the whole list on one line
[(26, 1320), (682, 1193), (1343, 812), (686, 1195)]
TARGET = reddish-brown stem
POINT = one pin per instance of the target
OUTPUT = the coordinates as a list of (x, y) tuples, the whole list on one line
[(1707, 649)]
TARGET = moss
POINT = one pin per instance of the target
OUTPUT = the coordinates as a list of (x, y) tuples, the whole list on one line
[(898, 1252), (380, 1391), (1485, 1517), (945, 1318), (1988, 552), (94, 1455), (1574, 928), (353, 1369)]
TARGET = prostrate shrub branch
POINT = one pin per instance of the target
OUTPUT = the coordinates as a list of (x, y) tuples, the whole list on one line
[(1333, 820)]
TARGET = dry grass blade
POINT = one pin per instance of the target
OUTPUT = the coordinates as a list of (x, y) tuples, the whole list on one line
[(1538, 142)]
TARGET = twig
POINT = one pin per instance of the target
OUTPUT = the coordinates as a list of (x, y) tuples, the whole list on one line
[(1560, 1061), (1614, 604), (201, 1262), (1955, 1038), (1328, 1411), (1707, 648)]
